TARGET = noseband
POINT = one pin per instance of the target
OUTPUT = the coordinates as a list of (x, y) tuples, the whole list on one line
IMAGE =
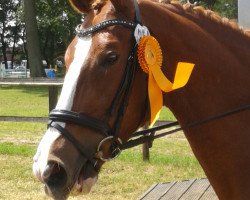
[(119, 102)]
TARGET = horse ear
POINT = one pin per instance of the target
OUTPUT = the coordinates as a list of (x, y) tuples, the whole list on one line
[(81, 6), (125, 7)]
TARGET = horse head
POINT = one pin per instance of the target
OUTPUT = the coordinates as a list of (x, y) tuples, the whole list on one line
[(101, 103), (104, 98)]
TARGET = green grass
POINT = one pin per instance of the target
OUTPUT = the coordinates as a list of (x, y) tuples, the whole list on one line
[(17, 132), (24, 101), (127, 177), (166, 115), (33, 101), (17, 150), (124, 178)]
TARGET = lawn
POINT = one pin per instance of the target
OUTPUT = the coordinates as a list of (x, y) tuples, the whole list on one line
[(125, 178), (24, 101)]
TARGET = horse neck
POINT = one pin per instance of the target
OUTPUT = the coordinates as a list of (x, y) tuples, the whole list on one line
[(219, 83), (222, 63)]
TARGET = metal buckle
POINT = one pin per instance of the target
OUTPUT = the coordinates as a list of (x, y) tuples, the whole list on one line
[(115, 150)]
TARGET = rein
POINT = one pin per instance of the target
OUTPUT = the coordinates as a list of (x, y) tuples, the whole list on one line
[(148, 135)]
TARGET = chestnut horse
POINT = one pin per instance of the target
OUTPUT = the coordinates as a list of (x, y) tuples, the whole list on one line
[(101, 62)]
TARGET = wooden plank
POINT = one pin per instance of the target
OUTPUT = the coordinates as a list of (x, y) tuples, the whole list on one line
[(23, 119), (147, 193), (145, 148), (209, 194), (177, 190), (31, 82), (53, 95), (197, 189), (145, 151), (157, 191)]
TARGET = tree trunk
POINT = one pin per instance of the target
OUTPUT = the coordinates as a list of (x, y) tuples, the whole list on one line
[(4, 53), (4, 46), (33, 47), (45, 47), (15, 32)]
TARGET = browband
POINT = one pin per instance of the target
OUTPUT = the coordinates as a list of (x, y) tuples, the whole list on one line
[(80, 32)]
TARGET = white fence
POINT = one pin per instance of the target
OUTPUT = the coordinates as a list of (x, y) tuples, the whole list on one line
[(14, 73)]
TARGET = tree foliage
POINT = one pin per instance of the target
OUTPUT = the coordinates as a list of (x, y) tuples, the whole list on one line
[(56, 24), (226, 8), (10, 26)]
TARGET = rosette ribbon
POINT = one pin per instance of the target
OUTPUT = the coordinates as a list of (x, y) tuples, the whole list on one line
[(150, 60)]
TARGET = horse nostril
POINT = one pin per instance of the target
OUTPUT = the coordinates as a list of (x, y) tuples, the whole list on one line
[(54, 175)]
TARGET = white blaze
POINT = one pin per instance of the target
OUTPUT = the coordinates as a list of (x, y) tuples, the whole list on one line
[(65, 102)]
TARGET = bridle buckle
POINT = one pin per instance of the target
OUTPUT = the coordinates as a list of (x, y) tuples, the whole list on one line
[(114, 149)]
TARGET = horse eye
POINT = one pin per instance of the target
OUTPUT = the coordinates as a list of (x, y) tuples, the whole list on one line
[(110, 59)]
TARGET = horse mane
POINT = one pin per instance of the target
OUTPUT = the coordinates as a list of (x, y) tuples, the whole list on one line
[(206, 13), (192, 9)]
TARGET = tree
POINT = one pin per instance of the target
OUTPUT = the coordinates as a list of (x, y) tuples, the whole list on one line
[(9, 27), (56, 24), (227, 8), (2, 35), (33, 45), (55, 19)]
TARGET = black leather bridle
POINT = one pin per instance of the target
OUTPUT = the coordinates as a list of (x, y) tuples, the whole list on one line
[(118, 104)]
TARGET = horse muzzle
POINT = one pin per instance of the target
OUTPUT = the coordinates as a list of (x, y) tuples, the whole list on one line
[(57, 179)]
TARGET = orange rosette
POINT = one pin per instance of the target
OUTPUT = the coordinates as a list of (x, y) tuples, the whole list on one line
[(150, 60)]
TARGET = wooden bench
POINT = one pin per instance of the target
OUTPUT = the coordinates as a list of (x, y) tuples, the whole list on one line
[(196, 189)]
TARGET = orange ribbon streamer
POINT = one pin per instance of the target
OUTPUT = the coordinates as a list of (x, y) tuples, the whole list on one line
[(150, 60)]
